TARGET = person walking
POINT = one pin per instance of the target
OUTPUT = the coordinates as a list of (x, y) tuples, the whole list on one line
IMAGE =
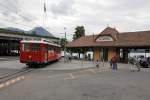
[(138, 65), (70, 57), (114, 63), (131, 62)]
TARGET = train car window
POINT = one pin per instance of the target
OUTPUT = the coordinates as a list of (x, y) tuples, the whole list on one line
[(50, 49), (26, 47), (35, 47)]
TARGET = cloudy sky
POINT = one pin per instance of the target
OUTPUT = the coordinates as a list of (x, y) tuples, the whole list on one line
[(94, 15)]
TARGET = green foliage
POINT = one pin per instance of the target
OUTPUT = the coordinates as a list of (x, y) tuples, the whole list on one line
[(79, 31)]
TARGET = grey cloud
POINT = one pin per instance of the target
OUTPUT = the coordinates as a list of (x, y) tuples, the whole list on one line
[(136, 10), (27, 17), (95, 15), (64, 7), (9, 9), (10, 5), (13, 12)]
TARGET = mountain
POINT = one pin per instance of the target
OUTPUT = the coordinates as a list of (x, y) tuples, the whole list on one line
[(40, 31), (15, 29), (36, 31)]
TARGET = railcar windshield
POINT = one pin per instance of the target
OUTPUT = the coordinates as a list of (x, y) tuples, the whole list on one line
[(35, 47)]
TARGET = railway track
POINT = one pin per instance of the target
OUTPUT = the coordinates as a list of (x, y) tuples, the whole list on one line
[(8, 76)]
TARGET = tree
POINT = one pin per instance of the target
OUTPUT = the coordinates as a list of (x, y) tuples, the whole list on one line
[(79, 31)]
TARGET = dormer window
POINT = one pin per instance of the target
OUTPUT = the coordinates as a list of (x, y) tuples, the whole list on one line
[(104, 38)]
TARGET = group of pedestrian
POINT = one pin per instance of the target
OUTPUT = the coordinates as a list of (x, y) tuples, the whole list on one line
[(67, 58), (135, 65), (113, 63)]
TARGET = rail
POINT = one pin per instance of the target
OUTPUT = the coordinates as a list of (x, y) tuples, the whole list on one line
[(9, 76)]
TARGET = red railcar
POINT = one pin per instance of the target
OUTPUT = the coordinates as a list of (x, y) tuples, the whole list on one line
[(38, 52)]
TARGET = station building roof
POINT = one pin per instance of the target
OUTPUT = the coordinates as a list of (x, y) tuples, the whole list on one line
[(110, 37)]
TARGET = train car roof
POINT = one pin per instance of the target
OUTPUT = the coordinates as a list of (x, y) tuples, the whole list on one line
[(36, 41)]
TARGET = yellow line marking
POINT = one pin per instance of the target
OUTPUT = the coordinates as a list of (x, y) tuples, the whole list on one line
[(18, 79), (71, 76), (1, 85), (79, 74), (12, 81), (9, 82)]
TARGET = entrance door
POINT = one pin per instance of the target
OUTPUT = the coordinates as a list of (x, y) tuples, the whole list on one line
[(104, 55), (96, 54), (46, 53)]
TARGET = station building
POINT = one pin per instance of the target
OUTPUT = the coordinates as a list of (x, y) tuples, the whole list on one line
[(110, 42)]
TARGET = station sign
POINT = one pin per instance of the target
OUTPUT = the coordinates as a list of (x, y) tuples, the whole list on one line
[(104, 38)]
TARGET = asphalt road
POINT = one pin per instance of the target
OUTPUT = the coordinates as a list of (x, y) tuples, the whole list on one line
[(85, 84)]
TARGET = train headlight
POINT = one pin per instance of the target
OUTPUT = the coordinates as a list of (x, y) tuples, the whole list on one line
[(30, 56)]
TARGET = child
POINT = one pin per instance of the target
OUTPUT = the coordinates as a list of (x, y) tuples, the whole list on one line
[(110, 62), (97, 63)]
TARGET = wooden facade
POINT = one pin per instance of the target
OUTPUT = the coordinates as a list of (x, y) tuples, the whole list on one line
[(110, 42)]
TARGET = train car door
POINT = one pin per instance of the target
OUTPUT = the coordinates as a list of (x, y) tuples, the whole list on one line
[(46, 53)]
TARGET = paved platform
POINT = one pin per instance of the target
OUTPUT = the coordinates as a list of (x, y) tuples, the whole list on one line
[(87, 84), (11, 64), (61, 65), (73, 65), (77, 80), (8, 58)]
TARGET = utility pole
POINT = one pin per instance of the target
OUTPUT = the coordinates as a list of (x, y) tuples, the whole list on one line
[(44, 14), (65, 46)]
